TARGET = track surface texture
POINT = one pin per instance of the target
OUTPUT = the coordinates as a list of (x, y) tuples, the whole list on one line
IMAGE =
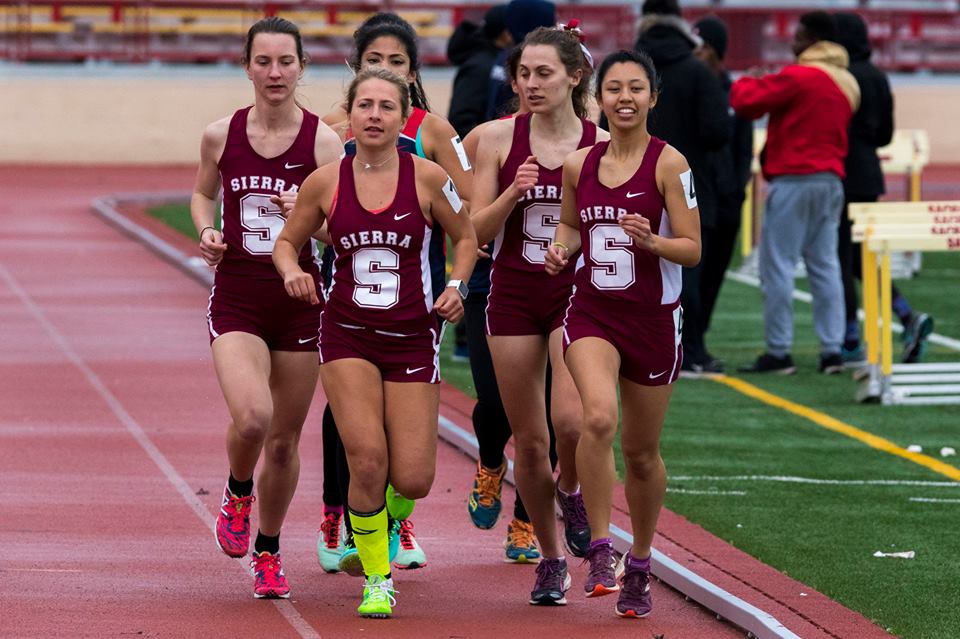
[(112, 461)]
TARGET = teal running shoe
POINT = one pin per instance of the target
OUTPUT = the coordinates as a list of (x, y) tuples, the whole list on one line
[(484, 503)]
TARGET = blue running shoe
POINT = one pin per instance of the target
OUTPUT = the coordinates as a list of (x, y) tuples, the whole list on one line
[(915, 335), (521, 547), (393, 539), (484, 502), (552, 583), (350, 559)]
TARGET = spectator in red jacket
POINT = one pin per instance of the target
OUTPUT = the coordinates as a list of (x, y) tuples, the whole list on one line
[(810, 105)]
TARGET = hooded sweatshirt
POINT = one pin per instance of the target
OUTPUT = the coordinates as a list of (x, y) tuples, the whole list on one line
[(810, 104), (691, 113), (872, 124)]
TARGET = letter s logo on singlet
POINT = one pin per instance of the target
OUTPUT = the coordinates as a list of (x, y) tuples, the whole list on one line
[(263, 222), (540, 221)]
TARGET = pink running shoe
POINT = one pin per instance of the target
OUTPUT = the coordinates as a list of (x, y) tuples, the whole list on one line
[(233, 524), (268, 579)]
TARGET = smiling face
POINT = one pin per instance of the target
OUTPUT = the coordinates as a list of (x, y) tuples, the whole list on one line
[(387, 52), (376, 113), (543, 79), (625, 95), (274, 67)]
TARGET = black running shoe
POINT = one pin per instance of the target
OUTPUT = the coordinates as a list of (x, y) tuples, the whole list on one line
[(768, 363)]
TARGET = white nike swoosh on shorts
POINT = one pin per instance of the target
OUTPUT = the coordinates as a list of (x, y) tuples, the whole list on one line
[(652, 376), (411, 371), (309, 339)]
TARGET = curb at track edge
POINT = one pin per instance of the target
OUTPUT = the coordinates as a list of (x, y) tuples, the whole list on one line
[(755, 621)]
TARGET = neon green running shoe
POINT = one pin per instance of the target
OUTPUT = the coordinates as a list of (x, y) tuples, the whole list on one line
[(398, 506), (378, 598)]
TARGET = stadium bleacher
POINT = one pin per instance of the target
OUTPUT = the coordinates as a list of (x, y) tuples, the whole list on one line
[(907, 36)]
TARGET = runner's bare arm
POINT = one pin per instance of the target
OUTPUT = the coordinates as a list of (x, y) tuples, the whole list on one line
[(203, 201), (566, 239), (308, 216)]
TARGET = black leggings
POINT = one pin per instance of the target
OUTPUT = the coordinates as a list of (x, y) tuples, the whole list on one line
[(489, 419)]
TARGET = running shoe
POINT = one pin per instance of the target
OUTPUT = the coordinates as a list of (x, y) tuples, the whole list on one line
[(484, 502), (398, 506), (915, 335), (393, 539), (378, 598), (350, 559), (330, 542), (634, 600), (576, 529), (268, 579), (855, 357), (831, 364), (767, 363), (552, 582), (520, 546), (233, 524), (601, 578), (410, 555)]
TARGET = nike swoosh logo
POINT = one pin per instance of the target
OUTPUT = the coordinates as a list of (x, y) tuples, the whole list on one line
[(652, 376), (411, 371), (635, 194), (400, 217), (292, 166), (309, 339)]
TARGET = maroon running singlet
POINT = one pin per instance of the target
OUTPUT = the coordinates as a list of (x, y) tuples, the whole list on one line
[(380, 306), (624, 294), (248, 295), (524, 299)]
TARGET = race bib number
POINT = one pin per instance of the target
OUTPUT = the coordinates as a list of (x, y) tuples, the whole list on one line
[(689, 190), (461, 152), (452, 196)]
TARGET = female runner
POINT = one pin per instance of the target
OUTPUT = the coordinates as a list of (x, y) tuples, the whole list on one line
[(517, 191), (630, 205), (263, 342), (379, 337)]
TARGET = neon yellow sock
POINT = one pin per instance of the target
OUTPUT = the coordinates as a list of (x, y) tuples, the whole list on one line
[(370, 535)]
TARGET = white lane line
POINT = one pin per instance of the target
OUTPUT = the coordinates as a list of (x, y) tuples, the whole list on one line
[(685, 491), (136, 431), (934, 500), (761, 624), (810, 480), (803, 296)]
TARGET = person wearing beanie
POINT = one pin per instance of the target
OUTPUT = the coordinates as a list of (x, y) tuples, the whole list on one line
[(522, 17), (730, 169), (474, 50), (810, 105), (692, 116)]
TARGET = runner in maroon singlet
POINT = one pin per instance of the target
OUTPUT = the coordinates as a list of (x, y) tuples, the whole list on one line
[(385, 40), (263, 342), (379, 339), (517, 191), (630, 204)]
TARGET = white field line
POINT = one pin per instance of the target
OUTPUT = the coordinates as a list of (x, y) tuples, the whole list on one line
[(803, 296), (934, 500), (302, 627), (720, 493), (823, 482)]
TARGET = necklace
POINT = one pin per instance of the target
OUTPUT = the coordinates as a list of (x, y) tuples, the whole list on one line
[(367, 166)]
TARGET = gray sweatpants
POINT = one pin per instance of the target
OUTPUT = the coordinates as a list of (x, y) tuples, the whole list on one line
[(801, 219)]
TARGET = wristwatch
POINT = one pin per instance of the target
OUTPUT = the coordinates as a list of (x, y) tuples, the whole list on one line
[(461, 287)]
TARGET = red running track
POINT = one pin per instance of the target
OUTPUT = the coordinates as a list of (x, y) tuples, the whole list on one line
[(112, 462)]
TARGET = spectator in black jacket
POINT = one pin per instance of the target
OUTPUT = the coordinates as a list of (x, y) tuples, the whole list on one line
[(871, 127), (730, 167), (523, 16), (692, 114), (474, 49)]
